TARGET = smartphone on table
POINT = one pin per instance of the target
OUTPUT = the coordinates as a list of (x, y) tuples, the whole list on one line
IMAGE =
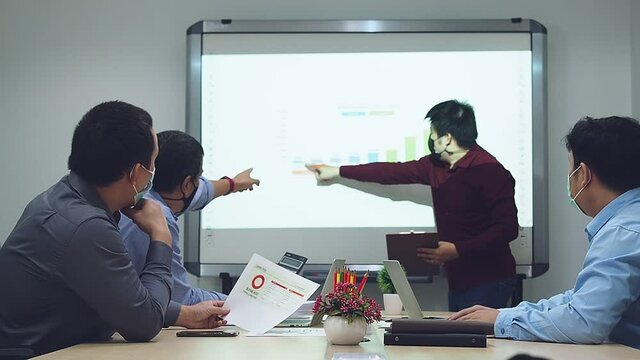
[(206, 333)]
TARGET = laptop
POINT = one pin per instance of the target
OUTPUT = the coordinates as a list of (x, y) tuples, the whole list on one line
[(304, 316), (437, 330), (403, 247), (408, 298)]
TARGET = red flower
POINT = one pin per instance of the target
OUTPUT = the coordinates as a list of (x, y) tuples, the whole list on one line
[(348, 302)]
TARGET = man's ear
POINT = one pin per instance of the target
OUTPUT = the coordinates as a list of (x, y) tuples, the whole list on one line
[(184, 187), (133, 174), (449, 138), (584, 174)]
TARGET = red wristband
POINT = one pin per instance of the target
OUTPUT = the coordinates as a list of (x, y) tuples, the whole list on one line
[(232, 184)]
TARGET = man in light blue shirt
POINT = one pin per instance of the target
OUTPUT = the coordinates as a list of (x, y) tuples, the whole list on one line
[(604, 305), (179, 187)]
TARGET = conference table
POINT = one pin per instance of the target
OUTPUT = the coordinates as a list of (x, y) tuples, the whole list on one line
[(168, 346)]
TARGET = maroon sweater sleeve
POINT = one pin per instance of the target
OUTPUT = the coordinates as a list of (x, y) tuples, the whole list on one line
[(410, 172), (497, 186)]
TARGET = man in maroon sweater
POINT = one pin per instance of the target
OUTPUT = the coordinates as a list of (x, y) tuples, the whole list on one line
[(473, 204)]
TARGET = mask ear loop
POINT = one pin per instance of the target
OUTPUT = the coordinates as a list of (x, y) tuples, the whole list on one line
[(132, 185), (445, 148), (450, 152), (585, 185)]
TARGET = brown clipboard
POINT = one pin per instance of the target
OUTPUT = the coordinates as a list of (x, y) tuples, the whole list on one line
[(402, 247)]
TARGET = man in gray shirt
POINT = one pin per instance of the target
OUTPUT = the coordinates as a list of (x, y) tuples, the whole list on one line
[(65, 275)]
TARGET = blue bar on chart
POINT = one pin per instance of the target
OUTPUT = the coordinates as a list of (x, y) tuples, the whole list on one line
[(299, 167), (372, 157), (353, 113), (354, 159)]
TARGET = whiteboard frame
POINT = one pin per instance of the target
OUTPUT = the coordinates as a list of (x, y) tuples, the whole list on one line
[(540, 247)]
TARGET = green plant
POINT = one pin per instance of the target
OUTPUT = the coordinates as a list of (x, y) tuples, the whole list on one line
[(384, 282)]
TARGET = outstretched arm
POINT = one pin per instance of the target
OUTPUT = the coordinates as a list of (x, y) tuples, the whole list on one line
[(410, 172), (239, 183), (324, 172)]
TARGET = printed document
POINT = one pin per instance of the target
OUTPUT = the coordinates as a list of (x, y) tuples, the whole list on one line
[(265, 294)]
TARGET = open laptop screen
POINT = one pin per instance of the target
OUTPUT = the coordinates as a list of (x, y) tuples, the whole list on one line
[(403, 289)]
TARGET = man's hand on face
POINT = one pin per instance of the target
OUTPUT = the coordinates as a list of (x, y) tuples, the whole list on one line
[(150, 219)]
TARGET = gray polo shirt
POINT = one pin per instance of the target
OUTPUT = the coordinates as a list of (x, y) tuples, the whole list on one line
[(66, 278)]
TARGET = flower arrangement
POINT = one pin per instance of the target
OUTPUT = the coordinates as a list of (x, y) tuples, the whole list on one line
[(348, 302)]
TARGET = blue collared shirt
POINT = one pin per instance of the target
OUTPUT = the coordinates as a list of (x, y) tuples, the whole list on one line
[(137, 243), (604, 304)]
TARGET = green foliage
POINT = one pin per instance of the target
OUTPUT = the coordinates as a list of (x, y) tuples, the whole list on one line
[(384, 281)]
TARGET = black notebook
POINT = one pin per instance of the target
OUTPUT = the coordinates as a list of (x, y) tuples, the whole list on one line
[(441, 326), (458, 340), (403, 247)]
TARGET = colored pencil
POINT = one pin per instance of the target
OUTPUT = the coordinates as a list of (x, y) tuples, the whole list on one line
[(363, 281)]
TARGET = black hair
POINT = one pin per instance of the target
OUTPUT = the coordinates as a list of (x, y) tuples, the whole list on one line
[(179, 156), (610, 147), (109, 140), (456, 118)]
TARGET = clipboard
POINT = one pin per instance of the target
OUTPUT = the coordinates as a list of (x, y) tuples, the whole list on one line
[(402, 247)]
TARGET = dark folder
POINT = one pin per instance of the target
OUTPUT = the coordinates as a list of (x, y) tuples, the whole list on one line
[(402, 247), (440, 326), (459, 340)]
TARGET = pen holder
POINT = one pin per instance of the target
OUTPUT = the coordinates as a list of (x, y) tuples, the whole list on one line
[(392, 304)]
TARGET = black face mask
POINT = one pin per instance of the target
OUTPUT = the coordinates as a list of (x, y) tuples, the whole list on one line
[(432, 147), (186, 200)]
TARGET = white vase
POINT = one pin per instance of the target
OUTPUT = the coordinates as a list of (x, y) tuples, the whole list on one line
[(340, 332), (392, 304)]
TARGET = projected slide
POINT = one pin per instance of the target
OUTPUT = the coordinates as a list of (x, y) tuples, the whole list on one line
[(276, 112)]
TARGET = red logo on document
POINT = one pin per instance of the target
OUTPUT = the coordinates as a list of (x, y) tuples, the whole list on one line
[(257, 282)]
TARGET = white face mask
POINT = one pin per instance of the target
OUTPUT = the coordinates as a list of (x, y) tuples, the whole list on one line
[(140, 194), (572, 199)]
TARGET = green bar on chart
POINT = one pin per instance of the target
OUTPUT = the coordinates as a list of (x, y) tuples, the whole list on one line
[(392, 155), (427, 134), (410, 148)]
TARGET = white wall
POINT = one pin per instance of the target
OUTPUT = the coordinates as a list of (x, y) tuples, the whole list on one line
[(59, 58)]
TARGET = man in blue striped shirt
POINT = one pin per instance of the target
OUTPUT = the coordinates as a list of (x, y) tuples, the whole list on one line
[(178, 186), (604, 305)]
